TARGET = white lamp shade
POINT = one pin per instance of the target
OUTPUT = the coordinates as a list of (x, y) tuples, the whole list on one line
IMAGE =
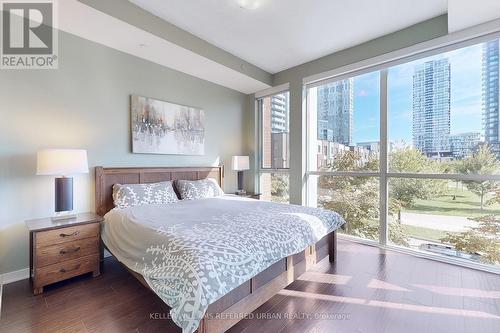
[(61, 162), (241, 163)]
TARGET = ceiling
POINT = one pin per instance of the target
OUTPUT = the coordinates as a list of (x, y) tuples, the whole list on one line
[(279, 34), (465, 13), (74, 17)]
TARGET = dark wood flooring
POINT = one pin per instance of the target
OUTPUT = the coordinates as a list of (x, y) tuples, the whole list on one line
[(369, 290)]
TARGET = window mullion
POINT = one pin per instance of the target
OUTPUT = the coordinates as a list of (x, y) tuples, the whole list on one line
[(384, 193)]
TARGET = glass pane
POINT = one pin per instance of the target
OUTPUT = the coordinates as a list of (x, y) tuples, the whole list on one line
[(444, 112), (275, 187), (450, 218), (275, 117), (356, 199), (344, 120)]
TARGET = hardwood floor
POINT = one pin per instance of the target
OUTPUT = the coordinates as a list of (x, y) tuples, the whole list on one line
[(369, 290)]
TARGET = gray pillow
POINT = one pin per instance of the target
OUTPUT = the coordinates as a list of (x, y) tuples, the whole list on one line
[(129, 195), (198, 189)]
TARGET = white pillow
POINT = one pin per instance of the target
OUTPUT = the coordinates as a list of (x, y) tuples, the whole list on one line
[(129, 195), (198, 189)]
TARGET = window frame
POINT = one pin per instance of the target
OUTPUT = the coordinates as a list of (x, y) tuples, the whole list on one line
[(260, 131), (384, 174)]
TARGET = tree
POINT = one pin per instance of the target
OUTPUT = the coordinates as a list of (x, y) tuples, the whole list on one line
[(404, 191), (483, 162), (495, 199), (483, 239), (356, 199), (279, 187)]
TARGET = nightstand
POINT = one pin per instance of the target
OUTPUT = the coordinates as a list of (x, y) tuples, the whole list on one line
[(63, 249), (250, 195)]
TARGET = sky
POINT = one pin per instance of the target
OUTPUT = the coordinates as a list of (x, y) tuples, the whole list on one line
[(466, 112)]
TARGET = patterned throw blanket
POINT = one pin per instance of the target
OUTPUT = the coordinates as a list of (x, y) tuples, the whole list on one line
[(191, 253)]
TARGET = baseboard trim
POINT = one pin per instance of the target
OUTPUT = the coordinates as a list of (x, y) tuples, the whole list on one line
[(15, 276)]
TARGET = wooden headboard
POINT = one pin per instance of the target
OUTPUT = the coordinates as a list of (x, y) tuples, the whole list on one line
[(105, 178)]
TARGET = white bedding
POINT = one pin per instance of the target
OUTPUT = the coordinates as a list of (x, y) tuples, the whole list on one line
[(193, 252)]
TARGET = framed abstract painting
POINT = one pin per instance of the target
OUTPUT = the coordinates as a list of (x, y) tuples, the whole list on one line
[(160, 127)]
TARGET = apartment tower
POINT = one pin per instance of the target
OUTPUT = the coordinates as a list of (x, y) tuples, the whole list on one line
[(335, 112), (431, 108), (491, 94)]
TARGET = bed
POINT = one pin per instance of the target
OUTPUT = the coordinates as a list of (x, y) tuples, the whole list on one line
[(211, 260)]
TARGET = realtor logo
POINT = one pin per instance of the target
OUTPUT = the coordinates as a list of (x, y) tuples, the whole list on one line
[(29, 35)]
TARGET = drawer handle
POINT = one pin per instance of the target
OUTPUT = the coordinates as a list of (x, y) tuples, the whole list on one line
[(76, 233), (76, 249), (62, 270)]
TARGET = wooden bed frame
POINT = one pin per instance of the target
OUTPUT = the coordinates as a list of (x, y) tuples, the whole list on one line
[(251, 294)]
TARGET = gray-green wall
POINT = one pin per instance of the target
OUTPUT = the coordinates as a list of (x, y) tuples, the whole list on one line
[(85, 104), (418, 33)]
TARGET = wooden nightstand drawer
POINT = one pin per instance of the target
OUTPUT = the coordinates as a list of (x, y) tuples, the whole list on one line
[(64, 248), (65, 251), (65, 270), (68, 234)]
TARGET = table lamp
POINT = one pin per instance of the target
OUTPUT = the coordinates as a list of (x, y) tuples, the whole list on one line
[(62, 163), (240, 164)]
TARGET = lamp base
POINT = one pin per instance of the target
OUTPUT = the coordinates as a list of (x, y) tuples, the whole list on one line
[(64, 195), (241, 192), (240, 183)]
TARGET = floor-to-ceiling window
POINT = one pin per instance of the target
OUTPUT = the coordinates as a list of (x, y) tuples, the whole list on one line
[(409, 153), (274, 143), (343, 150)]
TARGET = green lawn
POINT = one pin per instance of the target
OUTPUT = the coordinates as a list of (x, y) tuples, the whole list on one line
[(465, 204), (425, 233), (457, 202)]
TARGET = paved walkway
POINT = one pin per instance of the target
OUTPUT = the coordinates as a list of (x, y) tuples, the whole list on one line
[(437, 222)]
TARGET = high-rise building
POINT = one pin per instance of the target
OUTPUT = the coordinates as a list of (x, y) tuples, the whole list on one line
[(279, 113), (491, 95), (431, 108), (335, 112), (464, 144), (275, 126)]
